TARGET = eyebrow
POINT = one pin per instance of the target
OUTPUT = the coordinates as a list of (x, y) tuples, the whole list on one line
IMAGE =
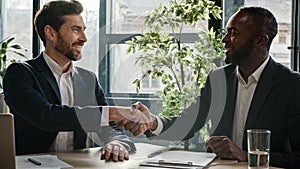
[(78, 27)]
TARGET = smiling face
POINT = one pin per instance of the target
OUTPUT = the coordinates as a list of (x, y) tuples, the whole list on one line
[(239, 39), (71, 37)]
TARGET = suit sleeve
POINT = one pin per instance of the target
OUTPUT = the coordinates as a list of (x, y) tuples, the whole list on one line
[(189, 121), (111, 132), (290, 159)]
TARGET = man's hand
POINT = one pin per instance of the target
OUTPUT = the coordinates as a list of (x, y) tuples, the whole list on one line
[(114, 151), (119, 113), (143, 120), (129, 114), (225, 148)]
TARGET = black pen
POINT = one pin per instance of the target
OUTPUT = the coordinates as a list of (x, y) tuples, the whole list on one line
[(34, 161)]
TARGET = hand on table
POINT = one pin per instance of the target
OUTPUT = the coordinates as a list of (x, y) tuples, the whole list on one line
[(225, 148), (114, 151)]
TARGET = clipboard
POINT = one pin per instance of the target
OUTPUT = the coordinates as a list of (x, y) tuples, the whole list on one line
[(171, 164), (179, 159)]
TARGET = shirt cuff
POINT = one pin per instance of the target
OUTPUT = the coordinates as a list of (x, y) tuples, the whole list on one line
[(159, 127), (105, 116)]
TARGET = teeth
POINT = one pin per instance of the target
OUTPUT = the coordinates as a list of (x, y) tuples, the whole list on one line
[(78, 47)]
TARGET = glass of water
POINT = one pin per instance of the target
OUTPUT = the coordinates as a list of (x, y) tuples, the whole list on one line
[(258, 148)]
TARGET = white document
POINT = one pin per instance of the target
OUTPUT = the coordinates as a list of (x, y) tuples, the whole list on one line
[(199, 159), (47, 161)]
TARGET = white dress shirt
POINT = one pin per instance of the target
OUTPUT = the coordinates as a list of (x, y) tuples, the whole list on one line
[(243, 101), (64, 140)]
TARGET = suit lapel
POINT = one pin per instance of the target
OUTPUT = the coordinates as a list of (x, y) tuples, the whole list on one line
[(263, 88), (226, 122), (82, 97), (83, 88), (78, 88), (230, 101), (45, 71)]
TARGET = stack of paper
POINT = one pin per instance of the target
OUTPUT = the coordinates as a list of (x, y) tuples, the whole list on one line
[(46, 161), (180, 159)]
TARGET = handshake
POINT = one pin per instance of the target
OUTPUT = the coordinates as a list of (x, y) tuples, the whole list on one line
[(136, 119)]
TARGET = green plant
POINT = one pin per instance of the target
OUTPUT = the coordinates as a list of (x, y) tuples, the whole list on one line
[(7, 47), (181, 68)]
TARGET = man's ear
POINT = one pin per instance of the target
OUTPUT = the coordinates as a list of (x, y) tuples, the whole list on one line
[(262, 40), (50, 33)]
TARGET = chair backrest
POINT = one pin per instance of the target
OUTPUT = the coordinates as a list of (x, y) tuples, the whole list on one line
[(7, 141)]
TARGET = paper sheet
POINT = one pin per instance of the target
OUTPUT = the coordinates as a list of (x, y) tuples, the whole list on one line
[(196, 158), (48, 161)]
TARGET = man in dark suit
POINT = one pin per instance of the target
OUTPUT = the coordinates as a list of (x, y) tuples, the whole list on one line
[(55, 103), (252, 91)]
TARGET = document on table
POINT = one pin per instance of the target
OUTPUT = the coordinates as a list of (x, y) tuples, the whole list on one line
[(180, 158), (47, 161)]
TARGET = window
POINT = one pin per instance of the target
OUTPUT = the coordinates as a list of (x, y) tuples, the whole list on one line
[(17, 11), (124, 19), (282, 39), (127, 16), (151, 84)]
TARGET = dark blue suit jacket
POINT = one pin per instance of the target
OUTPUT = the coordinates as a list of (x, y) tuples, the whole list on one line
[(275, 106), (33, 96)]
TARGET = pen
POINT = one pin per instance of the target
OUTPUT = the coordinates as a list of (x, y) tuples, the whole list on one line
[(162, 162), (34, 161), (154, 154), (177, 165), (161, 151)]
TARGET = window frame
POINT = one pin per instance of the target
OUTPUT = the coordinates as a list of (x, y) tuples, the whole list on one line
[(295, 39), (107, 39)]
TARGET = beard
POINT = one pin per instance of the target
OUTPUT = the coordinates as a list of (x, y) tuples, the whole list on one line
[(70, 55), (240, 54), (64, 48)]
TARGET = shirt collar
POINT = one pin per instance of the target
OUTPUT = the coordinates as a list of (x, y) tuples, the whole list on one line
[(256, 74), (54, 67)]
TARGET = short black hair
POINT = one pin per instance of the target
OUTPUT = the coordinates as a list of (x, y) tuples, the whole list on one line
[(264, 20), (53, 14)]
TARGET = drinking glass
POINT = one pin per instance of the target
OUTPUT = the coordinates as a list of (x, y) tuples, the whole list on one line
[(258, 148)]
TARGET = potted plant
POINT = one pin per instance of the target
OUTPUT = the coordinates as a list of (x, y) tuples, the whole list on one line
[(181, 68), (7, 50)]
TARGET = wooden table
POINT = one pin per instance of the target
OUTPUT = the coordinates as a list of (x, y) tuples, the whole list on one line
[(89, 159)]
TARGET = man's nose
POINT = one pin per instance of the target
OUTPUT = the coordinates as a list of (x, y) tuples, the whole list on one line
[(83, 37), (225, 38)]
